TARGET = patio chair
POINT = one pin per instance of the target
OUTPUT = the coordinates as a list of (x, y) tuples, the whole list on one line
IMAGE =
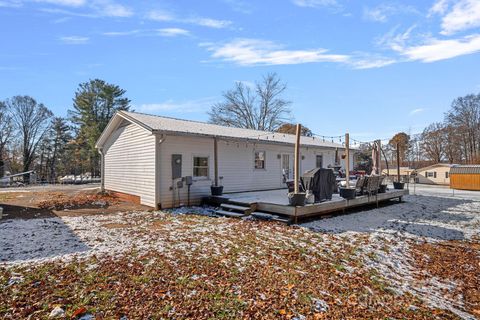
[(373, 183), (360, 185)]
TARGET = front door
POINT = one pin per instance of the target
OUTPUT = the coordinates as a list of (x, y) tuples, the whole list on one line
[(287, 166)]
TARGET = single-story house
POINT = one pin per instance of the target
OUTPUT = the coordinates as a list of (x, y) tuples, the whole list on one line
[(145, 157), (405, 173), (435, 174), (465, 177)]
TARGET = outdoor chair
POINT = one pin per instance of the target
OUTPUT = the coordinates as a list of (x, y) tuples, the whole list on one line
[(360, 185), (373, 183)]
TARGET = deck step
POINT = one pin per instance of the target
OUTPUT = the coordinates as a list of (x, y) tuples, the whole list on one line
[(234, 207), (229, 214), (269, 217)]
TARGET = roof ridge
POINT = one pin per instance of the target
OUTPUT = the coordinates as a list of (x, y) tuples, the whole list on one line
[(211, 124)]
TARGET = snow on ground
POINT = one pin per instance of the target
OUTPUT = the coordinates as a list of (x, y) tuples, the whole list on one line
[(432, 215), (392, 229)]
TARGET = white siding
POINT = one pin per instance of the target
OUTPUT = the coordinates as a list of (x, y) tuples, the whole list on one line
[(236, 166), (129, 155)]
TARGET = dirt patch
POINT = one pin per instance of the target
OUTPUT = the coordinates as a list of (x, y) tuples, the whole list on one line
[(116, 225), (457, 261), (57, 202)]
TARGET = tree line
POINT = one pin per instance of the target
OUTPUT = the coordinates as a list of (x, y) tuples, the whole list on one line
[(456, 139), (33, 138)]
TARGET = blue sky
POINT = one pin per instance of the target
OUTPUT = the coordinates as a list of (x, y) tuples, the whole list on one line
[(372, 68)]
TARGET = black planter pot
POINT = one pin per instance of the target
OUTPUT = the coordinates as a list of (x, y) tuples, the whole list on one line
[(297, 199), (348, 193), (398, 185), (216, 190), (382, 189)]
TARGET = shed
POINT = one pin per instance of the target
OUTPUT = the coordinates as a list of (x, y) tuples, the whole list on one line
[(465, 177), (150, 159)]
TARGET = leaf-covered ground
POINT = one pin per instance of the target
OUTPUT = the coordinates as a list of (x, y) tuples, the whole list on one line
[(389, 263), (246, 270)]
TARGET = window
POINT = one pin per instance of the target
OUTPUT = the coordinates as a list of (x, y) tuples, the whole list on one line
[(429, 174), (320, 161), (200, 167), (259, 159)]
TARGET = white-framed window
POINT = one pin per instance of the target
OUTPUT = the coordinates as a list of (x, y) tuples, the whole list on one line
[(260, 157), (200, 167), (430, 174)]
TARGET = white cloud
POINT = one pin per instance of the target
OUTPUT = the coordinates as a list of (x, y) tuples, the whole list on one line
[(112, 9), (173, 32), (164, 16), (68, 3), (248, 52), (382, 12), (435, 50), (121, 33), (10, 4), (457, 15), (189, 106), (254, 52), (96, 8), (315, 3), (416, 111), (74, 40)]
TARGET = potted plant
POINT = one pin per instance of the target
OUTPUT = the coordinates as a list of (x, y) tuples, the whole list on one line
[(297, 199), (348, 193), (217, 190), (382, 188), (398, 185)]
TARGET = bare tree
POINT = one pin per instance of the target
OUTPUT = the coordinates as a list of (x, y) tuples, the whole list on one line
[(465, 117), (31, 120), (433, 142), (6, 129), (261, 108)]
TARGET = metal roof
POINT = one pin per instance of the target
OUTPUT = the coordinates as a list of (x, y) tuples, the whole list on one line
[(466, 169), (175, 126)]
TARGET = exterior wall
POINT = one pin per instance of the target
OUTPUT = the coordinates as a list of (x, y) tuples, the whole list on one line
[(235, 165), (129, 163), (439, 172), (465, 181)]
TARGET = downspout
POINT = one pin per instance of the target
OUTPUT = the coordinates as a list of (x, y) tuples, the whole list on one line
[(102, 170)]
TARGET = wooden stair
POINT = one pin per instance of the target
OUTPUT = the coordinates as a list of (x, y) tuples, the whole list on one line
[(233, 210), (270, 217)]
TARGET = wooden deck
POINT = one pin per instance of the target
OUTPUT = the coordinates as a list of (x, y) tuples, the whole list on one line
[(276, 202)]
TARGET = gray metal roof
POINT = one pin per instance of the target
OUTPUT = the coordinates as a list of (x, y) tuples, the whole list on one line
[(466, 169), (178, 126)]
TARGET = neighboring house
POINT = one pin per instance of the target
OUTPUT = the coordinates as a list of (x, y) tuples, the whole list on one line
[(435, 174), (405, 173), (144, 158), (465, 177)]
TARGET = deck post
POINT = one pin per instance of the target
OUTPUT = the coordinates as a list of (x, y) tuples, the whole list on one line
[(215, 160), (347, 158), (297, 159), (398, 163)]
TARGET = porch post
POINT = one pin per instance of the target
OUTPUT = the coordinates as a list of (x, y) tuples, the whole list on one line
[(215, 160), (398, 164), (347, 157), (297, 159)]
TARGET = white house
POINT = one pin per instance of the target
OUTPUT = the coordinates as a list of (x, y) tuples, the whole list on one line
[(145, 156), (435, 174)]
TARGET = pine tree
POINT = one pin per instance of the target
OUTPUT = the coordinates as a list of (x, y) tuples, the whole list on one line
[(94, 104)]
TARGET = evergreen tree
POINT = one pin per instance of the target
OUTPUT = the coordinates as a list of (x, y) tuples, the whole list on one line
[(95, 102)]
